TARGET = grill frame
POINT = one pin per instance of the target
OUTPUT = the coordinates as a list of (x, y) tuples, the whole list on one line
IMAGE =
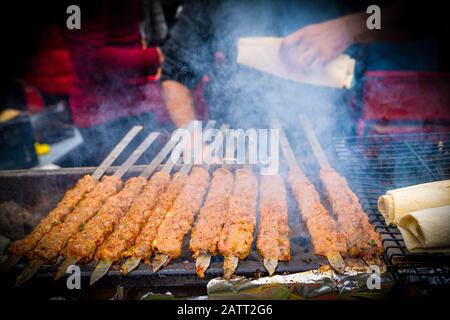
[(19, 184), (353, 156), (390, 162)]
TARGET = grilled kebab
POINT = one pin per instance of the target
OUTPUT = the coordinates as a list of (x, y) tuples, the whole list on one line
[(237, 234), (179, 220), (273, 234), (142, 247), (205, 234), (71, 198), (326, 238), (81, 247), (362, 239), (51, 245)]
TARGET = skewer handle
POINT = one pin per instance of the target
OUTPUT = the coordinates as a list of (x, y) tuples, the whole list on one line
[(315, 145), (159, 158), (219, 145), (286, 147), (136, 154), (187, 167), (168, 166), (116, 152)]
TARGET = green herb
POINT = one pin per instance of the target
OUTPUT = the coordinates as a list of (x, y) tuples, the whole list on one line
[(82, 227), (373, 242)]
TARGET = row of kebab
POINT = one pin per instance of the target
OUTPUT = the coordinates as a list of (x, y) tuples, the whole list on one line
[(146, 219)]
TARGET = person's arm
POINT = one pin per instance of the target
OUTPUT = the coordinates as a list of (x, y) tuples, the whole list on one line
[(187, 57), (179, 102), (90, 46), (314, 45)]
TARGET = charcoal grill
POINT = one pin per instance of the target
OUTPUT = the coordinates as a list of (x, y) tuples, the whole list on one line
[(20, 186), (375, 164), (372, 166)]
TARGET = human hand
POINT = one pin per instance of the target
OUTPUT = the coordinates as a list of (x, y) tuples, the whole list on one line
[(313, 46)]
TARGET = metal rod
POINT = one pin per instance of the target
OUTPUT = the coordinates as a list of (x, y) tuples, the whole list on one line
[(421, 160), (136, 154), (219, 144), (286, 147), (159, 158), (315, 145), (168, 166), (187, 167), (116, 152)]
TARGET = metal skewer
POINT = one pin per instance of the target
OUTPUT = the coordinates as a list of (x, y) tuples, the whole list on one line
[(270, 265), (132, 263), (104, 265), (231, 262), (203, 260), (11, 261), (315, 145), (324, 164), (334, 258), (28, 271), (161, 259), (109, 160)]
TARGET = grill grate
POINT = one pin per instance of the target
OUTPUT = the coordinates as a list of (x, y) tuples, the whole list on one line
[(375, 164)]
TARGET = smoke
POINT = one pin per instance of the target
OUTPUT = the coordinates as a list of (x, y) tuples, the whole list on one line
[(245, 97)]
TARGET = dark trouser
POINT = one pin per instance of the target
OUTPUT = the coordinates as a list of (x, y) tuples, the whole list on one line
[(98, 141)]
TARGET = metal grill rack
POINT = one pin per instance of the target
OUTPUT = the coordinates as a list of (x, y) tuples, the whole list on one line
[(180, 272), (375, 164)]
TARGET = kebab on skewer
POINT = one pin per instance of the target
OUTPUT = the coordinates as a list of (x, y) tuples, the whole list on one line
[(111, 214), (273, 232), (326, 238), (51, 246), (81, 247), (211, 218), (131, 224), (68, 203), (237, 234), (179, 220), (362, 239), (142, 247)]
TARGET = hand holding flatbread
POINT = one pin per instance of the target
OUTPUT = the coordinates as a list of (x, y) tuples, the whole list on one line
[(263, 53)]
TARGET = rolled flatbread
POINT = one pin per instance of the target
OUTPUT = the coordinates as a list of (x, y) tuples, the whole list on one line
[(396, 203), (262, 53), (427, 230)]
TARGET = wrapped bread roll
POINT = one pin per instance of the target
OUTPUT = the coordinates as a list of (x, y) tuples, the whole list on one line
[(262, 53), (427, 230), (396, 203)]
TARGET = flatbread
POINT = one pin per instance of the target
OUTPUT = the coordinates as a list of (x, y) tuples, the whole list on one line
[(427, 230), (396, 203), (262, 53)]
